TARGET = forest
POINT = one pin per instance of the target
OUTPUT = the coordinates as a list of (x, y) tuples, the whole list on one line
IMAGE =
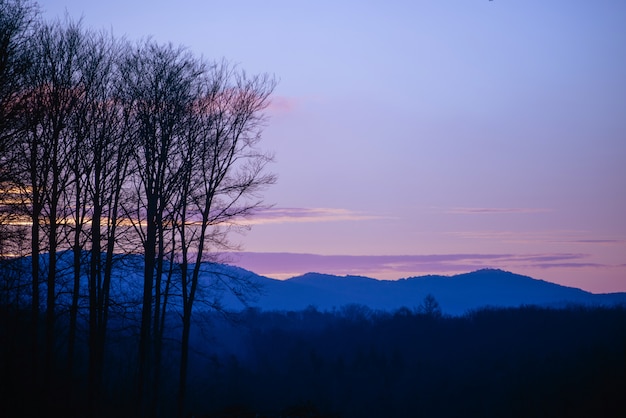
[(350, 362)]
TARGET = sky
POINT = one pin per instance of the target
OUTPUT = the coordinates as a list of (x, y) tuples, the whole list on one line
[(425, 136)]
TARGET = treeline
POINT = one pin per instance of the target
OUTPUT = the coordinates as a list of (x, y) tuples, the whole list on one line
[(355, 362), (112, 147)]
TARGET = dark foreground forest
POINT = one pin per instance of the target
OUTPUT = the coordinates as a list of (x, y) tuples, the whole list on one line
[(352, 362)]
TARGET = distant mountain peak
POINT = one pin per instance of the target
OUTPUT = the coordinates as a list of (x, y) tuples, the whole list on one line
[(491, 270), (313, 276)]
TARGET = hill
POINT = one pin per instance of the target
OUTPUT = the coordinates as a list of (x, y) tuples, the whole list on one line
[(456, 294)]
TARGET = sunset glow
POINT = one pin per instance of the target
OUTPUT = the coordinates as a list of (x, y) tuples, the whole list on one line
[(424, 137)]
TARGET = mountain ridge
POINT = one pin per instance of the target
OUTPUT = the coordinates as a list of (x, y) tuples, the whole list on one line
[(456, 294)]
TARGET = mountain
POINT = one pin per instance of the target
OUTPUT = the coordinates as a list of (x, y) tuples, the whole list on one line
[(456, 294)]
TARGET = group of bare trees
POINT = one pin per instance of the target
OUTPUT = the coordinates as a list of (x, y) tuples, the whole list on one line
[(110, 147)]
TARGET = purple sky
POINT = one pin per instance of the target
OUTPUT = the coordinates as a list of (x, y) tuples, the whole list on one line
[(426, 136)]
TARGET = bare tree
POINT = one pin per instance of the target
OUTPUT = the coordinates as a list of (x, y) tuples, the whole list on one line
[(54, 90), (225, 171), (429, 307), (99, 165), (111, 155), (17, 21), (158, 86), (110, 148)]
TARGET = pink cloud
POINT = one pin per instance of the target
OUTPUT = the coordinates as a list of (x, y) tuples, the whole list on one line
[(533, 237), (544, 258), (488, 211), (599, 241), (282, 105), (567, 265), (289, 215)]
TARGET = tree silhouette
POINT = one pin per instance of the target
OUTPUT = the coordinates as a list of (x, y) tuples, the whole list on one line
[(107, 149), (429, 307), (224, 172)]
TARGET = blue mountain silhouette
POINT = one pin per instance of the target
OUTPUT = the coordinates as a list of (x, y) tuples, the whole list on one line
[(456, 294)]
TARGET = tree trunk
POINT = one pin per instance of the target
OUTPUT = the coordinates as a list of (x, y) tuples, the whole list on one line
[(93, 378), (51, 285), (146, 311)]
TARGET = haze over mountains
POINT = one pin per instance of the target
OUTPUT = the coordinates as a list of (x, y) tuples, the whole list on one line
[(456, 294)]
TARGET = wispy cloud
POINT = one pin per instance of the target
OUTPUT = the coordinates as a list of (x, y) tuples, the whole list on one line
[(567, 265), (546, 258), (517, 237), (491, 211), (533, 237), (282, 104), (289, 215), (599, 241)]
